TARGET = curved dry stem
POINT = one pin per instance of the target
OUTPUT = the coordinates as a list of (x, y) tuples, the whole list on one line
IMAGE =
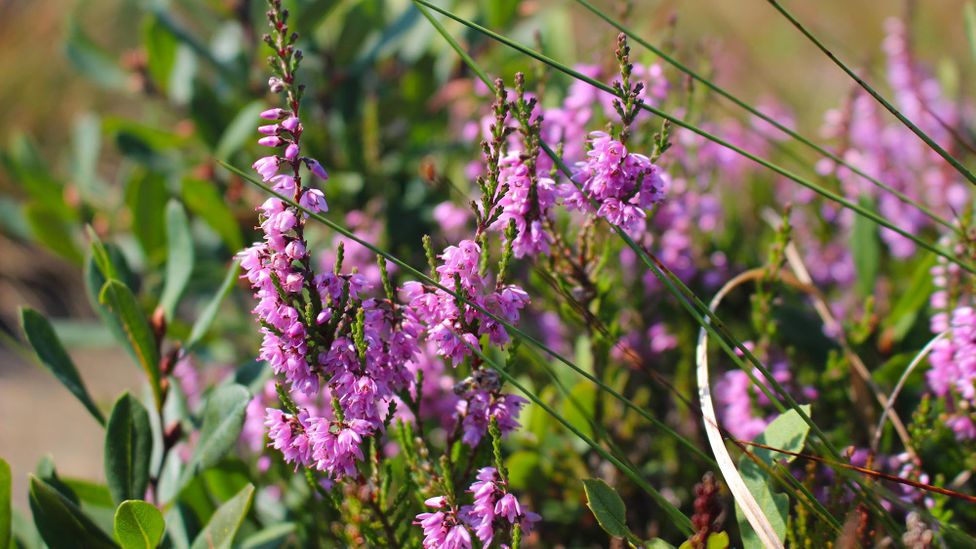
[(750, 508), (795, 261), (898, 386)]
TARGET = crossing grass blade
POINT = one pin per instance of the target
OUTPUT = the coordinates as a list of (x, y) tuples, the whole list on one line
[(874, 93), (826, 193), (765, 117)]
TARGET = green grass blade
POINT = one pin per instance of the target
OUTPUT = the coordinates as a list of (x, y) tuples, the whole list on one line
[(874, 93), (770, 120), (834, 197)]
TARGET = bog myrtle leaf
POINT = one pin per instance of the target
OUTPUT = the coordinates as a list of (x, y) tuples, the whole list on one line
[(787, 432), (53, 356), (209, 313), (138, 525), (223, 525), (120, 300), (128, 449), (607, 507), (223, 418), (6, 512), (61, 522), (179, 257), (146, 197), (866, 250)]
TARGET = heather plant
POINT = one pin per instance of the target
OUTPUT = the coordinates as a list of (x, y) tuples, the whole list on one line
[(563, 305)]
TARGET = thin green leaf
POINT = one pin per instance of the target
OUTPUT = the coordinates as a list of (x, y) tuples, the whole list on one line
[(60, 522), (204, 200), (6, 511), (911, 302), (128, 449), (209, 313), (877, 96), (140, 337), (607, 507), (239, 131), (179, 257), (866, 251), (139, 525), (223, 525), (52, 355)]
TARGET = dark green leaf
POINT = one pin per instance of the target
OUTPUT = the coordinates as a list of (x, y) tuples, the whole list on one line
[(912, 300), (138, 525), (179, 257), (866, 250), (223, 418), (128, 449), (223, 525), (60, 522), (146, 197), (119, 299), (161, 49), (6, 511), (53, 356), (607, 507)]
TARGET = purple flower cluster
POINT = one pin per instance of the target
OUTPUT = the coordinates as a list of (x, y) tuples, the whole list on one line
[(527, 201), (453, 326), (623, 184), (953, 372), (743, 408), (493, 508)]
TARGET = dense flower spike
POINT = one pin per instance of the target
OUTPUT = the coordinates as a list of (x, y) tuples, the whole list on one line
[(623, 184)]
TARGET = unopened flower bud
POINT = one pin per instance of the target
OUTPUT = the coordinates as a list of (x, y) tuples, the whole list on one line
[(276, 84)]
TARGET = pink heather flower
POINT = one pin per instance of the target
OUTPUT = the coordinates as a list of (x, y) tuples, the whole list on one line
[(527, 201), (270, 129), (314, 201), (271, 141), (291, 124), (266, 167), (288, 435), (443, 529), (492, 504), (621, 183), (291, 152), (316, 168), (274, 114)]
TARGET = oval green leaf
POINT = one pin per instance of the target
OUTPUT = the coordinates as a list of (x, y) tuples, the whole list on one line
[(223, 525), (138, 525), (120, 300), (60, 522), (128, 449), (607, 507), (179, 257)]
